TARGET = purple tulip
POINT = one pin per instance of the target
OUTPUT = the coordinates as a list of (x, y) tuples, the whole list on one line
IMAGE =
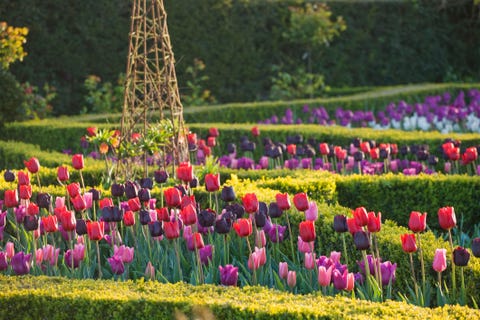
[(388, 272), (2, 228), (340, 279), (3, 218), (228, 275), (274, 230), (21, 263), (116, 264), (371, 264), (20, 213), (3, 261), (206, 254)]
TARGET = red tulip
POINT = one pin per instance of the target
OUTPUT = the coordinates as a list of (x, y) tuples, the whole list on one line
[(32, 165), (23, 178), (50, 223), (409, 243), (32, 209), (212, 182), (417, 221), (375, 153), (453, 153), (171, 229), (211, 142), (62, 173), (307, 231), (92, 131), (340, 153), (353, 227), (105, 202), (134, 204), (374, 222), (446, 218), (283, 201), (300, 200), (192, 138), (255, 131), (77, 161), (189, 215), (172, 197), (292, 149), (195, 241), (79, 203), (361, 216), (324, 149), (95, 230), (162, 214), (185, 172), (25, 191), (73, 189), (129, 218), (67, 219), (11, 198), (365, 147), (213, 132), (250, 202), (243, 227)]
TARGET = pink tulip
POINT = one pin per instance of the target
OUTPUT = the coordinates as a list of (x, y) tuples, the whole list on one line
[(325, 275), (124, 253), (283, 270), (440, 260), (310, 260), (312, 212), (150, 271), (304, 246), (10, 250), (292, 279)]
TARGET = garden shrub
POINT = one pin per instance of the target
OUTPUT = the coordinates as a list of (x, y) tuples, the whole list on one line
[(59, 298), (11, 98)]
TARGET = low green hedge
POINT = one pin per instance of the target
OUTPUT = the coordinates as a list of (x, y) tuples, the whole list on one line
[(59, 298)]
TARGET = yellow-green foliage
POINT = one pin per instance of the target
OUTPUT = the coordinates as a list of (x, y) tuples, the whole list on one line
[(59, 298)]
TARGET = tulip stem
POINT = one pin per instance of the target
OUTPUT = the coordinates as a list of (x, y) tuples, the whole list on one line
[(199, 265), (177, 254), (70, 234), (367, 266), (81, 179), (291, 239), (225, 249), (454, 282), (99, 263), (463, 298), (422, 264), (38, 180), (378, 269), (345, 248), (413, 276)]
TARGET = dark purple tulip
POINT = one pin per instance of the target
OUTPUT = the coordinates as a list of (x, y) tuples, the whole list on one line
[(476, 247), (263, 208), (384, 154), (155, 228), (161, 176), (231, 148), (117, 214), (30, 223), (222, 226), (107, 214), (81, 227), (131, 189), (44, 200), (358, 156), (228, 275), (404, 150), (237, 209), (361, 241), (95, 194), (206, 218), (356, 142), (228, 194), (144, 217), (144, 195), (340, 223), (193, 183), (260, 219), (432, 160), (274, 210), (21, 263), (460, 256), (422, 155), (146, 183), (117, 190), (247, 146), (9, 176), (3, 261), (116, 264)]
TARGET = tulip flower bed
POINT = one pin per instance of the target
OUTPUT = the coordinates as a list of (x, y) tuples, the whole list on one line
[(260, 237), (440, 112)]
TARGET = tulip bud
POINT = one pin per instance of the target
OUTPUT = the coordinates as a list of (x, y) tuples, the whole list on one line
[(228, 194), (161, 176), (476, 247), (361, 241), (461, 256), (274, 210), (440, 260), (9, 176), (340, 223)]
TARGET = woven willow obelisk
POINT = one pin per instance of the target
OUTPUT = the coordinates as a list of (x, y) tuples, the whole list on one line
[(151, 90)]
